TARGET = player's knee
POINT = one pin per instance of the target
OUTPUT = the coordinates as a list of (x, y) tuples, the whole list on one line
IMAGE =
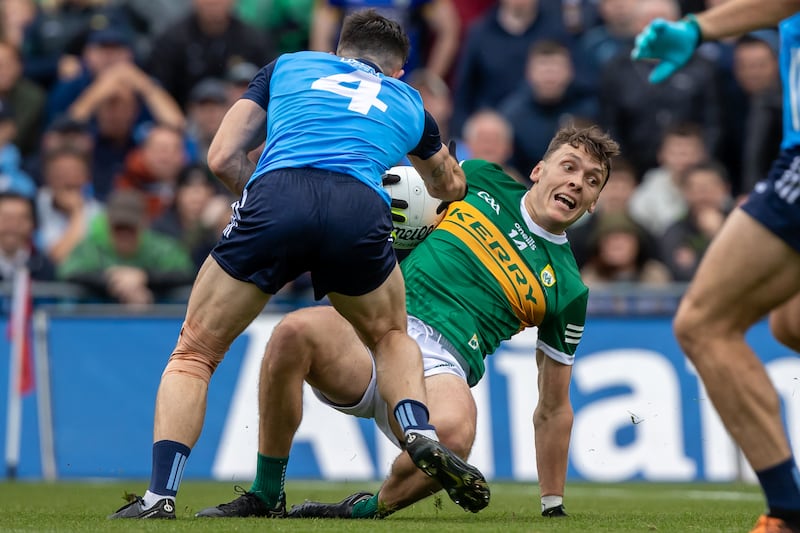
[(197, 353), (291, 343), (293, 337), (458, 435), (688, 330)]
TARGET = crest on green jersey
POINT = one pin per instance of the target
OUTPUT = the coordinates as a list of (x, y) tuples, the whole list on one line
[(547, 276)]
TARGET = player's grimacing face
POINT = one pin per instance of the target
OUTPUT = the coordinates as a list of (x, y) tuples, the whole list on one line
[(566, 185)]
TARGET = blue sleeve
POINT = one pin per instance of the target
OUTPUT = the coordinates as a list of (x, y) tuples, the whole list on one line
[(431, 141), (258, 90)]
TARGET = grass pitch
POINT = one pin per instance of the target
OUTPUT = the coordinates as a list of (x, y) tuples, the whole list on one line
[(642, 507)]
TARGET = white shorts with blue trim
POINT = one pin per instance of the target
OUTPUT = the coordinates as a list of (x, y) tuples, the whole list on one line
[(436, 359)]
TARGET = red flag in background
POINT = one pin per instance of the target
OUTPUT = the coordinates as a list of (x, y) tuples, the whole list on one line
[(19, 328)]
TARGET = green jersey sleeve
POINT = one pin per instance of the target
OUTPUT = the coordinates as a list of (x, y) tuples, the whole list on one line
[(561, 332)]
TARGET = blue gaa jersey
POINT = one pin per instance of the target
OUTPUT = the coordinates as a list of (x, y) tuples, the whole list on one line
[(336, 114), (790, 74)]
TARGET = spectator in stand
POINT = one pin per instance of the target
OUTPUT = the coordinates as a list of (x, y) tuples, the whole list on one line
[(17, 226), (65, 205), (238, 78), (25, 97), (436, 97), (470, 11), (12, 177), (205, 44), (614, 202), (707, 192), (207, 105), (103, 48), (546, 100), (658, 201), (153, 168), (602, 43), (15, 17), (122, 260), (288, 21), (157, 103), (758, 60), (151, 18), (63, 132), (488, 135), (116, 102), (755, 67), (619, 254), (431, 26), (638, 113), (492, 61), (53, 41), (184, 220)]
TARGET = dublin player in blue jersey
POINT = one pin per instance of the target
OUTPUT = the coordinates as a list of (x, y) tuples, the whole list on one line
[(331, 125), (752, 268)]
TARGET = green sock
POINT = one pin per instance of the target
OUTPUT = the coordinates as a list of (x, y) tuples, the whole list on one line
[(270, 477), (366, 508)]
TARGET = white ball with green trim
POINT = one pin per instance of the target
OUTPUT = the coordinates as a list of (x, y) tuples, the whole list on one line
[(421, 212)]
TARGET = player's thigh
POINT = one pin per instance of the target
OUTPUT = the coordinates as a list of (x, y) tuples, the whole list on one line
[(221, 305), (377, 312), (746, 272), (340, 366)]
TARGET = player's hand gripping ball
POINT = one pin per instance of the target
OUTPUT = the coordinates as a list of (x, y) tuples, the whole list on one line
[(414, 214)]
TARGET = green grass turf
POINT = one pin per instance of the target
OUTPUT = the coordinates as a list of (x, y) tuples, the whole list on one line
[(72, 506)]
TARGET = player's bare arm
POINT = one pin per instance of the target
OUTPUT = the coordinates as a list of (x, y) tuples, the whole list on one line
[(552, 420), (241, 131), (742, 16), (443, 176)]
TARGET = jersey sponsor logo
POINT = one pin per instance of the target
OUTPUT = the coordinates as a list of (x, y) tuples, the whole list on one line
[(548, 276), (521, 239), (413, 234), (573, 334), (500, 257), (489, 200)]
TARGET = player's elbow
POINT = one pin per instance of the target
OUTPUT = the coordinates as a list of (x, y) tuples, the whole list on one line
[(220, 160)]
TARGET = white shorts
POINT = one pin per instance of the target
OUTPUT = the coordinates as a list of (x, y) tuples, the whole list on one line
[(436, 359)]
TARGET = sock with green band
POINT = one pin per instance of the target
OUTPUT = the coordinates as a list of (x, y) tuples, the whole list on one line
[(366, 508), (270, 478)]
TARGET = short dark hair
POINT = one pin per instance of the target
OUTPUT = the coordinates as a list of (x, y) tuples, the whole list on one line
[(15, 196), (548, 47), (596, 142), (683, 129), (65, 151), (708, 165), (367, 33)]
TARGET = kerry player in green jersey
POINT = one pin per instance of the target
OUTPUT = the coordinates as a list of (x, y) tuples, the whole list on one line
[(498, 262)]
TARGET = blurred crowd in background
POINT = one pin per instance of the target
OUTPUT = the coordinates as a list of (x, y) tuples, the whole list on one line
[(107, 109)]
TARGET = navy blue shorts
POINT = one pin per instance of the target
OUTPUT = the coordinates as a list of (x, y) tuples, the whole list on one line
[(774, 201), (292, 221)]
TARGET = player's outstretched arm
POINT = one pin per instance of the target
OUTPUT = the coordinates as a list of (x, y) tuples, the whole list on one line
[(741, 16), (552, 421), (674, 43), (242, 130)]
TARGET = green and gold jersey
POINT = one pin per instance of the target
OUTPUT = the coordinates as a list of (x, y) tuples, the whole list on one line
[(488, 271)]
